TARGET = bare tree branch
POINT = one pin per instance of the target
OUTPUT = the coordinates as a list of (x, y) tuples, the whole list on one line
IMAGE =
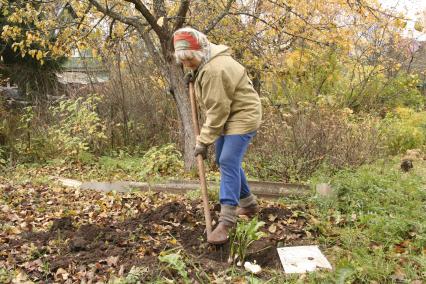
[(180, 17), (257, 11), (361, 3), (84, 16), (149, 17), (140, 27), (93, 27), (219, 17), (111, 28), (283, 31)]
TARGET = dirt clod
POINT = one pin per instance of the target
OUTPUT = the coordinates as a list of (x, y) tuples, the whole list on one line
[(77, 244), (64, 223)]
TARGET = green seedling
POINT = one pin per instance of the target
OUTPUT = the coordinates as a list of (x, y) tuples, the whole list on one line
[(244, 235), (175, 261)]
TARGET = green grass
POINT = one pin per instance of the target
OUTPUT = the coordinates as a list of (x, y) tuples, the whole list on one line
[(375, 224), (373, 229)]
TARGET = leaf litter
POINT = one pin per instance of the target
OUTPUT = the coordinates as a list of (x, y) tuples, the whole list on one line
[(52, 233)]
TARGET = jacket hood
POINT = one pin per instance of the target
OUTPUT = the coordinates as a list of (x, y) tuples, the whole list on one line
[(217, 50)]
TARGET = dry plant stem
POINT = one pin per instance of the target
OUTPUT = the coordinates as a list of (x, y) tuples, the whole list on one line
[(200, 162)]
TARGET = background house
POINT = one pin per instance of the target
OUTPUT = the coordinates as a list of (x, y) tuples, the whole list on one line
[(81, 68)]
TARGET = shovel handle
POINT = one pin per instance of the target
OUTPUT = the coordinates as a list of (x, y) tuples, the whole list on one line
[(200, 162)]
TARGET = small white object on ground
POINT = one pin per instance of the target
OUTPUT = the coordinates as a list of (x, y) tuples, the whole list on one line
[(301, 259), (324, 189), (70, 182), (252, 267)]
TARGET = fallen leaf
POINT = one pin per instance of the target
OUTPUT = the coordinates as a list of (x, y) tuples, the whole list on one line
[(399, 275), (141, 251), (33, 265), (272, 217), (112, 260), (244, 217), (401, 247), (21, 278), (160, 21), (61, 273), (272, 229), (121, 271), (5, 208)]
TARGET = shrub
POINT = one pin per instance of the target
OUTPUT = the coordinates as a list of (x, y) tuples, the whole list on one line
[(161, 160), (71, 130), (292, 144), (404, 129), (78, 127), (9, 132), (312, 75)]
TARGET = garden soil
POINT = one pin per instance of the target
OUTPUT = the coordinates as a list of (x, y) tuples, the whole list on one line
[(113, 248)]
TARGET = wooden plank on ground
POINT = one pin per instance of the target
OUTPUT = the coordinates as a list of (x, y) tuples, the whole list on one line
[(268, 190)]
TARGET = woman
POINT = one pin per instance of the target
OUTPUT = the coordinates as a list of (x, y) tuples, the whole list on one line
[(233, 114)]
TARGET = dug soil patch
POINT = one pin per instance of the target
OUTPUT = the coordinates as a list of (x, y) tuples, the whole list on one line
[(95, 251)]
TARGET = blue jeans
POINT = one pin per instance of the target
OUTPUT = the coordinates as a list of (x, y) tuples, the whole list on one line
[(230, 150)]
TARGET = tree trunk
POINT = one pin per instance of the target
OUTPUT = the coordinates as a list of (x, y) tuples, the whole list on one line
[(180, 94), (174, 75)]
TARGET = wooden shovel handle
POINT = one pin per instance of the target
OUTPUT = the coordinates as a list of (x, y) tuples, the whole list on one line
[(200, 162)]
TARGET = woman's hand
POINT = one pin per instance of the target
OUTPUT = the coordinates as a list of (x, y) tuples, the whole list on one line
[(188, 78), (201, 149)]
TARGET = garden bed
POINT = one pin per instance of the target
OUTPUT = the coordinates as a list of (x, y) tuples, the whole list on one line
[(61, 234)]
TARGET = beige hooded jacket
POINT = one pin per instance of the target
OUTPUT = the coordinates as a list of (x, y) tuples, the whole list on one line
[(231, 104)]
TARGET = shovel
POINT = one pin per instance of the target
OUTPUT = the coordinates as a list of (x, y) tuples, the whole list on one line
[(200, 162)]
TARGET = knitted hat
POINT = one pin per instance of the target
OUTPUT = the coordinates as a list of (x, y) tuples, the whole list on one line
[(186, 40)]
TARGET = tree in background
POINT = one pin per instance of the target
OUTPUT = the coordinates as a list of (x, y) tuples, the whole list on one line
[(295, 50), (24, 59), (305, 50), (155, 23)]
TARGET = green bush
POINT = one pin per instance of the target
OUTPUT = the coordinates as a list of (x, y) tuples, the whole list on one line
[(78, 128), (401, 91), (404, 129), (312, 75), (71, 130), (122, 167), (161, 160)]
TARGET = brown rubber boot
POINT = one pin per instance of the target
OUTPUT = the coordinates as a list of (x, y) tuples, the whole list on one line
[(227, 220), (248, 211), (220, 234), (248, 206)]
